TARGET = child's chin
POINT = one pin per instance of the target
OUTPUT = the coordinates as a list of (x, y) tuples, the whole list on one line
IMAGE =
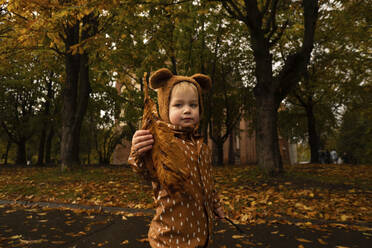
[(188, 125)]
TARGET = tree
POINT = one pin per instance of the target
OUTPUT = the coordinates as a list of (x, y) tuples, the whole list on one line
[(73, 29), (48, 114), (18, 110), (337, 68), (102, 133), (354, 142), (266, 26)]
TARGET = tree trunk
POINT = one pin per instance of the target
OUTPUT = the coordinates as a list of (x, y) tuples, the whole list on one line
[(70, 128), (40, 160), (313, 135), (270, 91), (75, 93), (8, 145), (46, 120), (21, 152), (231, 149), (219, 146), (48, 145), (267, 144)]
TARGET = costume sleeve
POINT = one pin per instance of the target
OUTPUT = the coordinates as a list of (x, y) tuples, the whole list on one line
[(136, 162)]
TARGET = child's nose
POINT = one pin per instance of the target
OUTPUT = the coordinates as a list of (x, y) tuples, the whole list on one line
[(187, 109)]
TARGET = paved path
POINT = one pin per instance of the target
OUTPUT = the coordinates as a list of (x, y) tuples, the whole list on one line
[(34, 226)]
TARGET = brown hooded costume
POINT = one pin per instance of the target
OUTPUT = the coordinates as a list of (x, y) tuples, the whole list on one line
[(179, 166)]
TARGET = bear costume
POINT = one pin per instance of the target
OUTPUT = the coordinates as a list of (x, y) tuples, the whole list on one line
[(179, 167)]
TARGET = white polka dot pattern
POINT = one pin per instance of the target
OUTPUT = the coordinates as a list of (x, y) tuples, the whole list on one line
[(184, 212)]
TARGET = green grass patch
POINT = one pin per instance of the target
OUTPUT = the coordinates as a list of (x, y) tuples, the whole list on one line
[(17, 189)]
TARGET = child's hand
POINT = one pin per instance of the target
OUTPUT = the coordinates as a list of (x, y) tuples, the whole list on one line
[(142, 141), (220, 213)]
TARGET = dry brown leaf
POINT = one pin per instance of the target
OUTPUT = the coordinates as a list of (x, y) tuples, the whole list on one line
[(237, 236), (124, 242), (304, 240), (143, 240), (28, 242), (16, 237), (321, 241)]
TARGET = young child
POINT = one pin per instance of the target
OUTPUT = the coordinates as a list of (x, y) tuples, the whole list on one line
[(169, 150)]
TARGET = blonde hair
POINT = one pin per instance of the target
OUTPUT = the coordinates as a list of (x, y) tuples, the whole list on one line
[(183, 85)]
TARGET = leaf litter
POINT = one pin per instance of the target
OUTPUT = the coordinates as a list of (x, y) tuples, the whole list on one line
[(336, 194)]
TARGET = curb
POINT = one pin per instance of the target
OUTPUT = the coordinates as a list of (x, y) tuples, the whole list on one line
[(77, 206)]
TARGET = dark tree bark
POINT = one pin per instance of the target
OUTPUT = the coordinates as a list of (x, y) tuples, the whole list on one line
[(20, 141), (40, 159), (268, 154), (48, 145), (308, 103), (76, 91), (70, 126), (313, 135), (269, 90), (219, 145), (8, 145), (21, 152), (231, 149), (46, 120)]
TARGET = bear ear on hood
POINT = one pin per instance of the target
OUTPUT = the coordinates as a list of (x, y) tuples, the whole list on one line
[(204, 81), (159, 78)]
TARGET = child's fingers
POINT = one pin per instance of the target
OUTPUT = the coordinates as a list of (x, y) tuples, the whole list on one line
[(144, 149), (138, 139), (142, 144), (141, 132)]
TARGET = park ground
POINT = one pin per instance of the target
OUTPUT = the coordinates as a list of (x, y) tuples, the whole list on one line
[(310, 205)]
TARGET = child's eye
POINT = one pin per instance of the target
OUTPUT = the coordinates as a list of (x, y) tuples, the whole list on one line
[(177, 105), (193, 105)]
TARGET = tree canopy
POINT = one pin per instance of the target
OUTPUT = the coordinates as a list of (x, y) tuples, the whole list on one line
[(60, 61)]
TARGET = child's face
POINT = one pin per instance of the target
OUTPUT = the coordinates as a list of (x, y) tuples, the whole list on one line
[(184, 106)]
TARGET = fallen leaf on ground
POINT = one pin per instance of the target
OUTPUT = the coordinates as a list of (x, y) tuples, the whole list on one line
[(304, 240), (237, 236), (321, 241), (124, 242), (144, 240), (28, 242), (16, 237)]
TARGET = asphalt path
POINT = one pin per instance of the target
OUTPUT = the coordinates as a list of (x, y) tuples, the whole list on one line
[(55, 225)]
